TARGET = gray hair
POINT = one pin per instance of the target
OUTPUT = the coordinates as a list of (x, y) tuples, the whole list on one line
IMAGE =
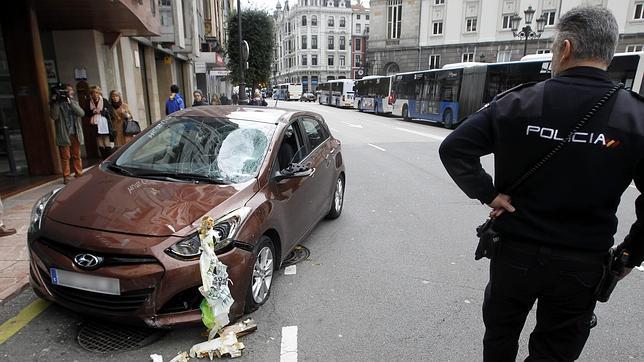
[(592, 31)]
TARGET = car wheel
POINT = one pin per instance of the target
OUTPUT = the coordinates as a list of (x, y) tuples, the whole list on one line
[(447, 119), (338, 199), (262, 274), (405, 113)]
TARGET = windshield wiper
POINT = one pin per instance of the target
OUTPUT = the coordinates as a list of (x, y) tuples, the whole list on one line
[(120, 169), (197, 178)]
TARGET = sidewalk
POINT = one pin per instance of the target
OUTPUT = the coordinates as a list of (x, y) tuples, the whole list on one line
[(14, 256)]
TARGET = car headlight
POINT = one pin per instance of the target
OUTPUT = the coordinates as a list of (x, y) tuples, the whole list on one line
[(225, 229), (38, 211)]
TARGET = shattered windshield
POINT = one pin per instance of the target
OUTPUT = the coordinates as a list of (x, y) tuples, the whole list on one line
[(218, 149)]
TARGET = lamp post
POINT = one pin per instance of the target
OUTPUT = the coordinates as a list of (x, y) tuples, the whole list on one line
[(242, 61), (527, 32)]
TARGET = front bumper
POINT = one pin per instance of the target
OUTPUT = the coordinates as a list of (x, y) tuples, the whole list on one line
[(156, 289)]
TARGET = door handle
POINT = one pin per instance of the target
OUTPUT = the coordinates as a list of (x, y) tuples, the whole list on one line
[(313, 172)]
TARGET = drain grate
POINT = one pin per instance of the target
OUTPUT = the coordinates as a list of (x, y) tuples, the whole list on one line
[(105, 337), (297, 255)]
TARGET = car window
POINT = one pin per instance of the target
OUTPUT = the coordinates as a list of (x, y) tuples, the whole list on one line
[(226, 150), (314, 131), (292, 149)]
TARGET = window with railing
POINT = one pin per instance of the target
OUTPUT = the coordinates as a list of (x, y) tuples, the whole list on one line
[(342, 43), (330, 44), (331, 21), (303, 20)]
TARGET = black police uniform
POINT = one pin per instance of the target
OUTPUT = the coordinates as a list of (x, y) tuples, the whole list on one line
[(553, 246)]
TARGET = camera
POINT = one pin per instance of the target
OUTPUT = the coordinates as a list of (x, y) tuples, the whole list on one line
[(60, 93)]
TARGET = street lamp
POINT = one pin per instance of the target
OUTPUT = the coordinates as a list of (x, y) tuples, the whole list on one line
[(527, 32)]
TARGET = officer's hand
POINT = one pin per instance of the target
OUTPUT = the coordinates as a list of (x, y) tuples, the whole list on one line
[(627, 271), (500, 204)]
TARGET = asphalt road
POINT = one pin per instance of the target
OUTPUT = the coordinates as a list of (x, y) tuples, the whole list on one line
[(392, 279)]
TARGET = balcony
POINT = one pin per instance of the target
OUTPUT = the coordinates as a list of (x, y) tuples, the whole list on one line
[(129, 18)]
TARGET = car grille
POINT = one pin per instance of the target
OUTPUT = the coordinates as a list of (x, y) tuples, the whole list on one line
[(71, 252), (124, 303)]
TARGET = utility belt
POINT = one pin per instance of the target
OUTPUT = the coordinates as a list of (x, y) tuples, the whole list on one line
[(612, 261)]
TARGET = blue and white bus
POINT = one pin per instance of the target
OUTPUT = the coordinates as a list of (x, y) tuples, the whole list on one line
[(324, 93), (374, 94), (447, 96), (342, 92), (289, 91)]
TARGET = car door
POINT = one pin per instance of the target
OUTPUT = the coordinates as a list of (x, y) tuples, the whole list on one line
[(323, 179)]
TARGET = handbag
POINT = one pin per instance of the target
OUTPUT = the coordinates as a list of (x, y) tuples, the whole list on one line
[(488, 237), (131, 127)]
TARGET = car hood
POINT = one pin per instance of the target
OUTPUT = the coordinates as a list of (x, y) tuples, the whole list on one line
[(105, 201)]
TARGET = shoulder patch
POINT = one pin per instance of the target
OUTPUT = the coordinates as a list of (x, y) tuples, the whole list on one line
[(520, 86)]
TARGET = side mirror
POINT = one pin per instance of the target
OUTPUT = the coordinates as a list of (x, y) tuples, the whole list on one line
[(294, 170)]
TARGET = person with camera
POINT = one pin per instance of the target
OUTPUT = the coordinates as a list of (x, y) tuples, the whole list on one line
[(67, 113), (101, 116), (561, 166), (121, 115)]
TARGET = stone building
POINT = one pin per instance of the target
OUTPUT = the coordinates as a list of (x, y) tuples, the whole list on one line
[(312, 42), (423, 34), (359, 35)]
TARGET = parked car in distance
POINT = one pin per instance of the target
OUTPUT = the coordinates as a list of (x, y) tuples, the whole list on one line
[(307, 97), (121, 242)]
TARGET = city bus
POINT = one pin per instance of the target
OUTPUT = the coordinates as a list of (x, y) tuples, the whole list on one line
[(448, 95), (342, 92), (289, 91), (324, 93), (374, 94)]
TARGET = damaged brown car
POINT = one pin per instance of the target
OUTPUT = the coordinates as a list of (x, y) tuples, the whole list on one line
[(121, 242)]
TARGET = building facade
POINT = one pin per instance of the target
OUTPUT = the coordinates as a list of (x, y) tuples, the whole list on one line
[(359, 36), (139, 48), (312, 42), (424, 34)]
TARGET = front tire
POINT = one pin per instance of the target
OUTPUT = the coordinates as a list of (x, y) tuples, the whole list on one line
[(405, 113), (447, 119), (338, 199), (262, 274)]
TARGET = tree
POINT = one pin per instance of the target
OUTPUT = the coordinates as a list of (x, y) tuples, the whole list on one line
[(257, 30)]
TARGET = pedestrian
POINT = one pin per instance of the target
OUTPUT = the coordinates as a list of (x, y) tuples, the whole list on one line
[(175, 101), (257, 100), (4, 230), (101, 116), (215, 101), (67, 113), (235, 98), (121, 114), (225, 101), (199, 99), (555, 225)]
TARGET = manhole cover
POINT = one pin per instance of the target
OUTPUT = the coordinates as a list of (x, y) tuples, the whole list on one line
[(297, 255), (107, 337)]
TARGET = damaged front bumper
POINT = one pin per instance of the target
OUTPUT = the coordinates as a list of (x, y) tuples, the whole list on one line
[(156, 289)]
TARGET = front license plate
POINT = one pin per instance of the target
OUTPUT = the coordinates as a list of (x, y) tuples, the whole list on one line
[(90, 283)]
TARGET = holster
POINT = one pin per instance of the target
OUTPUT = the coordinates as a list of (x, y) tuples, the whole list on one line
[(613, 268), (488, 240)]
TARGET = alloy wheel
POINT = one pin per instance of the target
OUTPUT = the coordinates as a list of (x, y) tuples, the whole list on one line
[(262, 274), (339, 195)]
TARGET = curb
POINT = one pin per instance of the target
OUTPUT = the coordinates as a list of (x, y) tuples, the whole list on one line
[(18, 288)]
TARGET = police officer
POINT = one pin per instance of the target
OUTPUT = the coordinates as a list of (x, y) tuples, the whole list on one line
[(555, 229)]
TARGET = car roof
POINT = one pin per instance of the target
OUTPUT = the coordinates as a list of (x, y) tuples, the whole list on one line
[(246, 113)]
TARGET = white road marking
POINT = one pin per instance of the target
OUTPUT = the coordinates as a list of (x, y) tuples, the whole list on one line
[(440, 138), (376, 147), (353, 125), (633, 186), (288, 350), (290, 270)]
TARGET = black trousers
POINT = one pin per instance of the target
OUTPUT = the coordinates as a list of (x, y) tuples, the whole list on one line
[(562, 281)]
